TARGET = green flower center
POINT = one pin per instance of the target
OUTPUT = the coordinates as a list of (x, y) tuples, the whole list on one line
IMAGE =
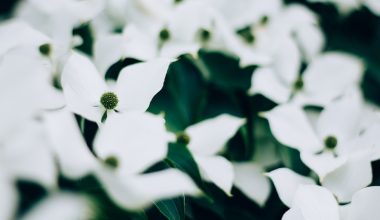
[(183, 138), (109, 100), (298, 84), (246, 34), (45, 49), (204, 35), (164, 34), (331, 142), (112, 161)]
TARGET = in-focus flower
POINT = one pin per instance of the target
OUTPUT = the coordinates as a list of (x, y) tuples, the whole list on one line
[(88, 95)]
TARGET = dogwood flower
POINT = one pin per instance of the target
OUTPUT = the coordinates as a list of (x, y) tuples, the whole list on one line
[(308, 201), (339, 148), (88, 95), (178, 33), (207, 138), (327, 77), (126, 146)]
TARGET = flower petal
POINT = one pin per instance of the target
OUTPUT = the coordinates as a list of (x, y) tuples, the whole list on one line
[(217, 170), (73, 155), (316, 203), (138, 140), (61, 206), (250, 179), (330, 74), (208, 137), (290, 126), (364, 204), (267, 83), (287, 183), (341, 118), (323, 163), (139, 83), (137, 192)]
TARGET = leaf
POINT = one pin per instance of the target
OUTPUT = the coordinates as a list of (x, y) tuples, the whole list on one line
[(183, 96), (173, 209), (180, 157), (225, 71)]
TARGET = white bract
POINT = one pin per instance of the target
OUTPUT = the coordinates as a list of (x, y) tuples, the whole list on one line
[(88, 95), (307, 201), (178, 32), (205, 140)]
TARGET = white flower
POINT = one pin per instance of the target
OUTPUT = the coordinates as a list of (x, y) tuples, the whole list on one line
[(206, 139), (338, 149), (328, 76), (180, 32), (307, 201), (126, 146), (88, 95)]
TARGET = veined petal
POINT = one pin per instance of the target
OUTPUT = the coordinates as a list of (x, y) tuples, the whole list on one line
[(73, 155), (209, 136), (250, 179), (287, 183), (290, 126), (217, 170), (139, 83), (316, 203), (136, 140)]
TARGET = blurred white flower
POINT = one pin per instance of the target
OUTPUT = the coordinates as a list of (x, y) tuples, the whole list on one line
[(127, 145), (62, 206), (327, 77)]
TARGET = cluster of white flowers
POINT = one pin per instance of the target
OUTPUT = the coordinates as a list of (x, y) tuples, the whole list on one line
[(50, 90)]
